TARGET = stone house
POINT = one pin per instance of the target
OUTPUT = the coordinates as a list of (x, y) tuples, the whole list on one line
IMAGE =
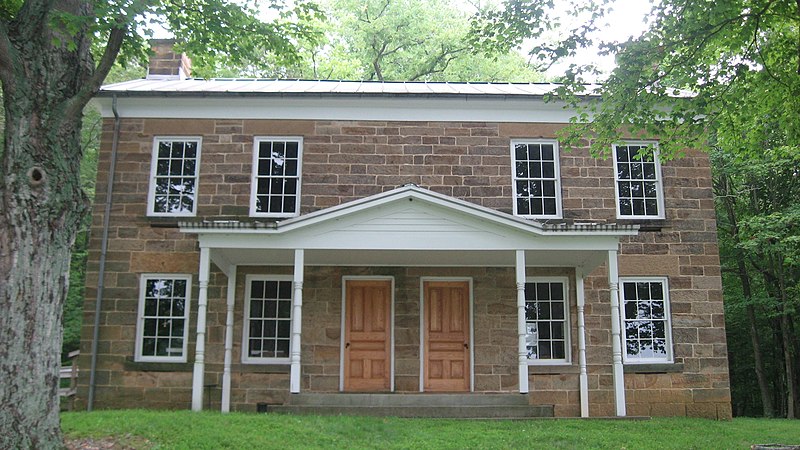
[(255, 241)]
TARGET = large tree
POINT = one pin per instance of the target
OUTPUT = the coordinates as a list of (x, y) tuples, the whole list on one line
[(49, 72), (721, 74), (395, 40)]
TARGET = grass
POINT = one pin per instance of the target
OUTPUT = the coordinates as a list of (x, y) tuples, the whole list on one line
[(210, 430)]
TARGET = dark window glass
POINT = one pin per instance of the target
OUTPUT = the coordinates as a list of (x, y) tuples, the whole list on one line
[(277, 177), (545, 320), (536, 181)]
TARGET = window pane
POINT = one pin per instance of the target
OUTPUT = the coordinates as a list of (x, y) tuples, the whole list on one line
[(547, 152), (521, 151), (271, 289), (284, 328)]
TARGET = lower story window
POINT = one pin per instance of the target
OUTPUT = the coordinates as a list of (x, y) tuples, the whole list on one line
[(546, 309), (163, 314), (268, 319), (646, 320)]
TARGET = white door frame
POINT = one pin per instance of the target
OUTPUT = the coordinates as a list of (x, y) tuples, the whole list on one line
[(345, 279), (422, 282)]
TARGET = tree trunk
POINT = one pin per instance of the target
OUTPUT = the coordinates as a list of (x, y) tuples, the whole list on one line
[(43, 70), (744, 276)]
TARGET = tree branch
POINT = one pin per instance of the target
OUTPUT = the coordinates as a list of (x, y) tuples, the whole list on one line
[(115, 39)]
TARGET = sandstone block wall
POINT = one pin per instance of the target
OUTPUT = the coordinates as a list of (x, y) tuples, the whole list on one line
[(343, 161)]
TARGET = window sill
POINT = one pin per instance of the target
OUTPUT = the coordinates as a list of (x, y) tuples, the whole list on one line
[(552, 369), (653, 368), (166, 222), (264, 368), (645, 224), (141, 366)]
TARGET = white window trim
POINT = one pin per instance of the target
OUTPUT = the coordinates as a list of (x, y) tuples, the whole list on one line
[(254, 174), (556, 159), (140, 317), (667, 327), (151, 192), (246, 359), (567, 360), (659, 181)]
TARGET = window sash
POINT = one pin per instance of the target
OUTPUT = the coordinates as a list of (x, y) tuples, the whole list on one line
[(646, 321), (637, 183), (275, 190), (268, 319), (163, 319), (175, 166), (536, 173), (547, 321)]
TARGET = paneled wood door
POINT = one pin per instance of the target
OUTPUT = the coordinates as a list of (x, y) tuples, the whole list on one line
[(367, 352), (447, 356)]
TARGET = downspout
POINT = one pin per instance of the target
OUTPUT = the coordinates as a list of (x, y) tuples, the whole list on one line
[(103, 252)]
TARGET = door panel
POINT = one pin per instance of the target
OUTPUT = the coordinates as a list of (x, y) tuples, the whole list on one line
[(447, 336), (367, 350)]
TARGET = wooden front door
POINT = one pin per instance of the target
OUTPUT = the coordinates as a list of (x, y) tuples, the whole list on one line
[(447, 356), (367, 352)]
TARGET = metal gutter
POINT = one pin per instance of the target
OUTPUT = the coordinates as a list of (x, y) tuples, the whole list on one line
[(103, 252)]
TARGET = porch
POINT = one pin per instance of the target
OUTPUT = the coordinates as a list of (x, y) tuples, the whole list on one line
[(464, 270)]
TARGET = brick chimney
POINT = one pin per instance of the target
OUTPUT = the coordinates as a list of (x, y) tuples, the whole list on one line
[(165, 64)]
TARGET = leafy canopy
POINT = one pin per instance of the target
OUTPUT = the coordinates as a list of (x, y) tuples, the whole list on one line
[(727, 65)]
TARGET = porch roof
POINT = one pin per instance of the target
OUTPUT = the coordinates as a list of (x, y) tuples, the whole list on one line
[(407, 226)]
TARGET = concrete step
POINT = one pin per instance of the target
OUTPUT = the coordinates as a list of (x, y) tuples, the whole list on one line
[(460, 405), (407, 399), (453, 412)]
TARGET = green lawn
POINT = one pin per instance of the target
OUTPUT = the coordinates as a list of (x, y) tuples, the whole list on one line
[(184, 429)]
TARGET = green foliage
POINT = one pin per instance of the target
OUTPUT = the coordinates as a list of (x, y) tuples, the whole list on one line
[(185, 429), (729, 65), (399, 40)]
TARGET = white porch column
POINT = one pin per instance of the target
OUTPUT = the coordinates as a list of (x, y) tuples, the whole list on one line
[(522, 330), (200, 342), (297, 320), (584, 377), (616, 341), (226, 371)]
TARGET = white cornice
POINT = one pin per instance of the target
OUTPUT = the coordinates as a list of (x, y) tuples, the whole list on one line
[(465, 108)]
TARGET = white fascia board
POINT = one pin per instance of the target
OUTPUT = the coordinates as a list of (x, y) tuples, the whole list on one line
[(465, 109)]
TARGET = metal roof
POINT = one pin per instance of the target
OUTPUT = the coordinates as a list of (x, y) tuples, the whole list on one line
[(272, 87)]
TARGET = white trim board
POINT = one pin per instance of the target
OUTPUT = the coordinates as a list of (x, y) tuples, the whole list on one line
[(400, 109)]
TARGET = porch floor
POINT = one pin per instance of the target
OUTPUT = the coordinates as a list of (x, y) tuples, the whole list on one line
[(457, 405)]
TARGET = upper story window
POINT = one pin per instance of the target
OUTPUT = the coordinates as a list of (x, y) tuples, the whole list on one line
[(162, 323), (638, 183), (546, 319), (268, 319), (275, 190), (173, 177), (536, 179), (646, 322)]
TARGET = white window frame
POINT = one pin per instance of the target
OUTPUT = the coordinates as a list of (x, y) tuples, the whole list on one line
[(151, 194), (254, 175), (557, 166), (567, 328), (246, 358), (632, 360), (658, 180), (143, 279)]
